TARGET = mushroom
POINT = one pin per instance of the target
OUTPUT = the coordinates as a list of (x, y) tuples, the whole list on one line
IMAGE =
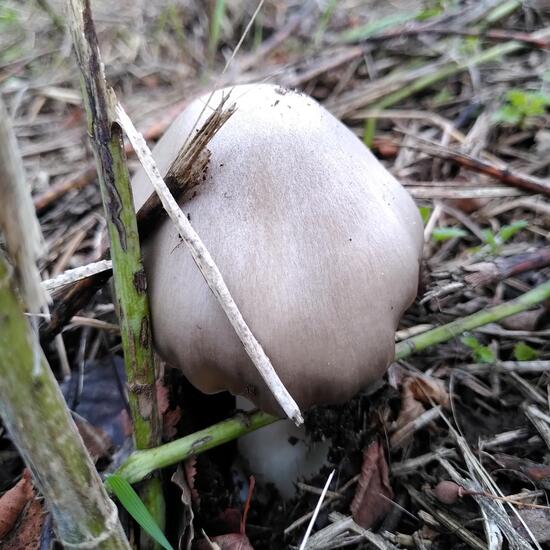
[(319, 246)]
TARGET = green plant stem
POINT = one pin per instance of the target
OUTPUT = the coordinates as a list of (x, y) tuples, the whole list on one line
[(504, 9), (141, 463), (34, 411), (129, 276), (449, 331)]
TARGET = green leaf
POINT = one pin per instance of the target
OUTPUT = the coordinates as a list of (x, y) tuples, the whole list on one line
[(520, 105), (480, 353), (446, 233), (484, 354), (524, 352), (489, 238), (215, 26), (507, 114), (508, 231), (425, 213), (442, 97), (471, 341), (135, 507)]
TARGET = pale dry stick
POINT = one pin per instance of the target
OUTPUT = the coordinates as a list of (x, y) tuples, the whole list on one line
[(494, 509), (401, 435), (294, 525), (210, 271), (375, 539), (77, 274), (523, 367), (460, 192), (540, 420), (412, 465), (334, 535), (316, 511), (315, 490), (81, 321), (18, 221), (439, 516), (434, 218), (504, 438), (407, 114)]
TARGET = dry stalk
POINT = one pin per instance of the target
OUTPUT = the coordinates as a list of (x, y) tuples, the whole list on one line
[(210, 271)]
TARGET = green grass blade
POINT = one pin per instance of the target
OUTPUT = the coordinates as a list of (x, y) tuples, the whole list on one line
[(215, 27), (135, 507), (375, 27)]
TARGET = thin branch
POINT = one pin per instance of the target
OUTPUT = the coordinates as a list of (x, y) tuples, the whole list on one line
[(210, 271), (129, 276)]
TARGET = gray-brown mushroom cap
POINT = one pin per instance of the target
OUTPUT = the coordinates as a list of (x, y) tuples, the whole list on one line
[(317, 242)]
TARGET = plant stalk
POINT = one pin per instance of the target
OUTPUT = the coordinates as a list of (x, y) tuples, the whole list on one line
[(129, 276), (36, 416)]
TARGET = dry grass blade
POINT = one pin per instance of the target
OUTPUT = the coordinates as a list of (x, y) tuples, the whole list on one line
[(18, 221)]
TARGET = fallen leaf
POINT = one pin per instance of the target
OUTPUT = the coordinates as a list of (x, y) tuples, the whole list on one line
[(372, 500), (233, 541), (186, 532), (27, 531), (411, 408), (538, 521), (97, 442), (416, 390), (190, 467), (427, 390), (526, 320), (13, 501), (170, 417)]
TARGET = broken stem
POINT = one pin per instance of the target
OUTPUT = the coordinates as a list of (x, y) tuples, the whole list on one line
[(210, 271), (129, 276), (449, 331), (39, 423)]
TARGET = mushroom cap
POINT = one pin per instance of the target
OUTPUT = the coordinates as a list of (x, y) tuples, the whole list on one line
[(319, 246)]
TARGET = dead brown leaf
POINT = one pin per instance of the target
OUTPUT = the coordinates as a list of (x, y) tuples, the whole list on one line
[(526, 320), (374, 493), (428, 390), (27, 531), (538, 521), (186, 531), (233, 541), (411, 408), (96, 440), (13, 501), (416, 390), (170, 417)]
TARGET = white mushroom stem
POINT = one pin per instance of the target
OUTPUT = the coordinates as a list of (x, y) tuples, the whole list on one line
[(209, 270)]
